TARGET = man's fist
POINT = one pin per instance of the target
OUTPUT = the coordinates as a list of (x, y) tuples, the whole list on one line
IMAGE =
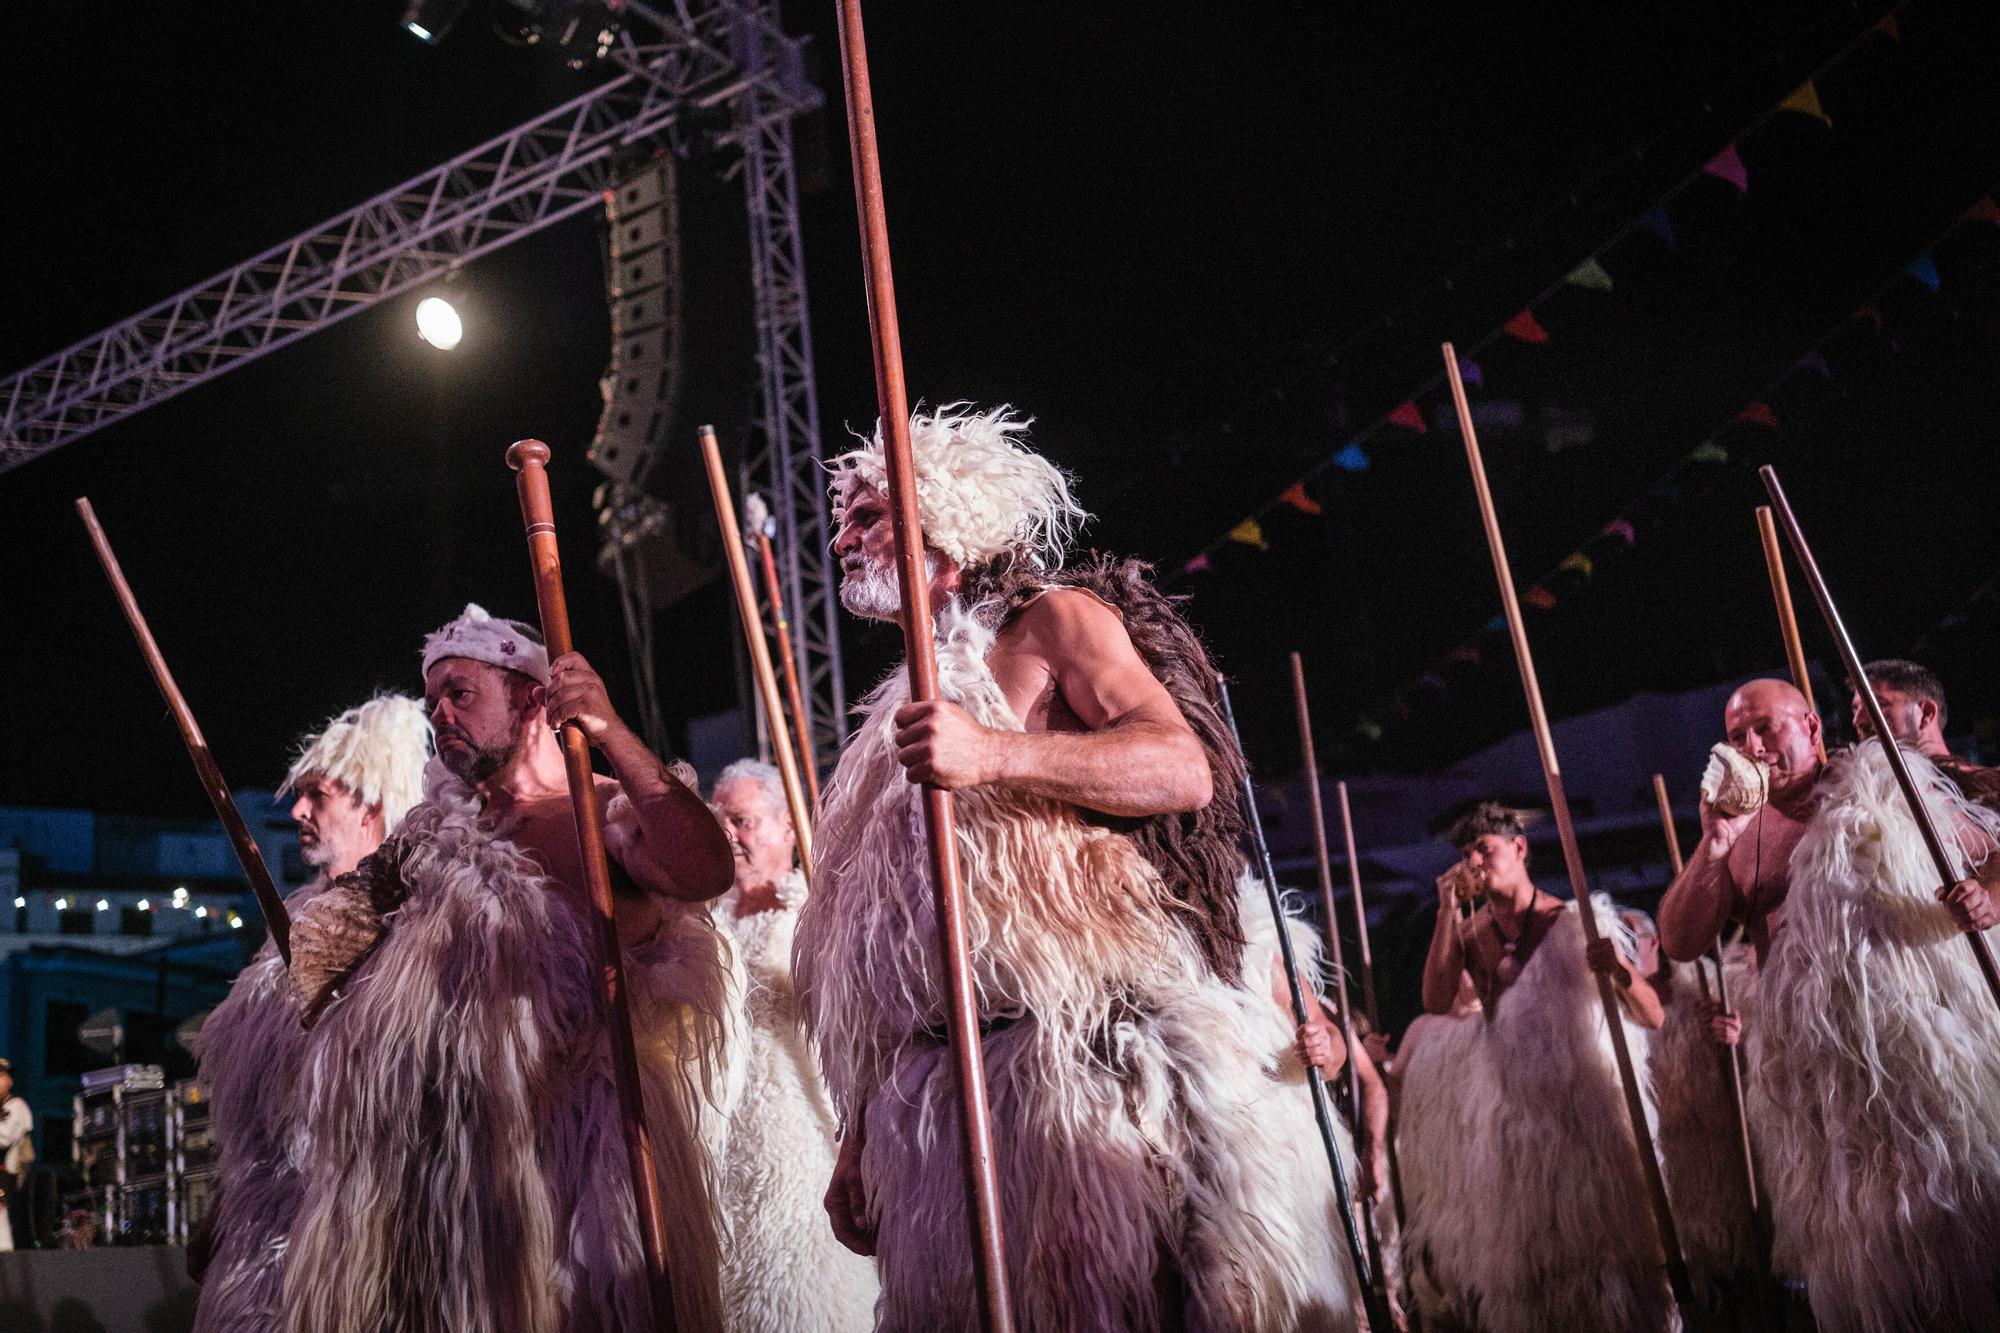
[(1454, 886), (1602, 955), (1315, 1046), (1724, 1029), (1969, 904), (1720, 832), (847, 1200), (939, 743), (575, 693)]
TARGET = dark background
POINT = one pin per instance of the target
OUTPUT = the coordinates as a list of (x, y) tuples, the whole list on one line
[(1204, 245)]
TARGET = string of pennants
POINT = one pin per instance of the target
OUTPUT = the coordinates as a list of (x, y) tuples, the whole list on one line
[(1755, 421), (1405, 422)]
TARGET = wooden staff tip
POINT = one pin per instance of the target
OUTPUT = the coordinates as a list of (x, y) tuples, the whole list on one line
[(523, 452)]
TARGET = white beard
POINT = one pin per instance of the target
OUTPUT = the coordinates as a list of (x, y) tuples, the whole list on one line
[(874, 593)]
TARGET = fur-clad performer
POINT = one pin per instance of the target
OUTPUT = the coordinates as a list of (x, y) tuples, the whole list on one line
[(1526, 1207), (1155, 1171), (354, 782), (466, 1168), (1875, 1063), (783, 1270)]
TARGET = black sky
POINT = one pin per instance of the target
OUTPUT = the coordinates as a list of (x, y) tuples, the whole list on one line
[(1137, 222)]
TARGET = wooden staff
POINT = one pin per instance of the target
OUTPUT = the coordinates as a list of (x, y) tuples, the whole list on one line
[(1857, 676), (760, 652), (276, 919), (1732, 1056), (1377, 1308), (1330, 911), (1635, 1105), (989, 1248), (1788, 620), (530, 459), (760, 530)]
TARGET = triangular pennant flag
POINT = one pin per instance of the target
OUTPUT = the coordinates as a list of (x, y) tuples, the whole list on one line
[(1816, 363), (1251, 533), (1925, 270), (1469, 371), (1728, 165), (1889, 28), (1759, 413), (1369, 729), (1352, 459), (1984, 211), (1805, 101), (1540, 597), (1657, 222), (1295, 496), (1467, 653), (1410, 417), (1525, 327), (1871, 314), (1197, 565), (1620, 528), (1431, 680), (1578, 562), (1498, 623), (1708, 451), (1589, 275)]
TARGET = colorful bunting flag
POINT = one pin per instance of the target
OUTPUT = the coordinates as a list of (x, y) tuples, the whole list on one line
[(1525, 327), (1925, 270), (1469, 371), (1728, 165), (1577, 562), (1295, 496), (1251, 533), (1889, 28), (1984, 211), (1498, 623), (1871, 314), (1352, 459), (1432, 681), (1197, 565), (1369, 728), (1467, 653), (1816, 363), (1759, 413), (1410, 417), (1708, 451), (1657, 222), (1805, 101), (1620, 528), (1540, 597), (1589, 275)]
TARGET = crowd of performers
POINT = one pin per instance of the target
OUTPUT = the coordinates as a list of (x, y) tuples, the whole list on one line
[(418, 1119)]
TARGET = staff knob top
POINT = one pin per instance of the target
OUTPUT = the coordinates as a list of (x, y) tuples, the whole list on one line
[(523, 452)]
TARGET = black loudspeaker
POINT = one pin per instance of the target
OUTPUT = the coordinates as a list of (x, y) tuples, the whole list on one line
[(643, 278)]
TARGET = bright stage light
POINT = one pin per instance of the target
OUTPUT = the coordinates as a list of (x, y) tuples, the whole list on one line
[(438, 324), (429, 20), (144, 905), (103, 906), (62, 904), (201, 914), (20, 902)]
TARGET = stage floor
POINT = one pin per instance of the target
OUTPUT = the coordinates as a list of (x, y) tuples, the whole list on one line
[(113, 1290)]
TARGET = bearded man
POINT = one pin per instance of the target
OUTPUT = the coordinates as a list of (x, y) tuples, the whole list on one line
[(1154, 1169), (354, 781)]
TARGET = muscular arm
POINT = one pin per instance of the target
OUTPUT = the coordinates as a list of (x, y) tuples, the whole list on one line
[(1136, 756), (1374, 1132), (1699, 902), (1445, 962), (681, 851)]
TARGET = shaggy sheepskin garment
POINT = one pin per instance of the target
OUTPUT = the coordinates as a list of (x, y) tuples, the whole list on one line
[(1875, 1065), (782, 1269), (457, 1136), (1526, 1207), (1139, 1111), (1701, 1155)]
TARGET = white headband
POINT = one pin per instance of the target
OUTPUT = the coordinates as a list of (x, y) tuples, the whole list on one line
[(487, 638)]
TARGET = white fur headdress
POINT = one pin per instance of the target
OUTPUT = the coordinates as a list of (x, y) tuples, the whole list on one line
[(981, 492), (489, 638), (376, 751)]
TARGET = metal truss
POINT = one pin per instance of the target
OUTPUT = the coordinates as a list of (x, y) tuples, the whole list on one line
[(729, 53)]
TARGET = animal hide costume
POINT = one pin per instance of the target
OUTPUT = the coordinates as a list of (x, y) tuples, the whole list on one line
[(782, 1269), (1526, 1208), (1876, 1065), (459, 1149), (1146, 1138)]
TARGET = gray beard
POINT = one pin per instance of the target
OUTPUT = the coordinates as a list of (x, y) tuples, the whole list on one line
[(874, 593)]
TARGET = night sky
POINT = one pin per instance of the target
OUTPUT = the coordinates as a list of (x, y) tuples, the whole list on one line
[(1203, 245)]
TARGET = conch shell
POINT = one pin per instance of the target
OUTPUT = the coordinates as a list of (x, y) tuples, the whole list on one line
[(1734, 784)]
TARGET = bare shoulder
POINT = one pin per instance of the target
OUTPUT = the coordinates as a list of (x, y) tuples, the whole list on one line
[(1068, 622)]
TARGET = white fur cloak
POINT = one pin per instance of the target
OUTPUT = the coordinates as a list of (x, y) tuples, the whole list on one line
[(782, 1269), (1138, 1111), (1526, 1209), (466, 1170), (1876, 1065)]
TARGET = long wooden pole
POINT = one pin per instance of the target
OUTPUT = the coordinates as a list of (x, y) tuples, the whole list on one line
[(788, 658), (760, 652), (276, 919), (1857, 677), (1788, 619), (1377, 1308), (982, 1182), (529, 459), (1732, 1056), (1635, 1105), (1329, 909)]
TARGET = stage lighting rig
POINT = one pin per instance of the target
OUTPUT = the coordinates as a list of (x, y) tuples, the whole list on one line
[(583, 30), (429, 20)]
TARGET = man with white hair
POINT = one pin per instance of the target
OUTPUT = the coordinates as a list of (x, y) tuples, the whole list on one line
[(782, 1268), (1153, 1171), (354, 781)]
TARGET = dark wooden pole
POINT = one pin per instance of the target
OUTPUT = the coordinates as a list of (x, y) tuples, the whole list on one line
[(1628, 1076), (276, 919), (529, 459), (788, 658), (982, 1182)]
